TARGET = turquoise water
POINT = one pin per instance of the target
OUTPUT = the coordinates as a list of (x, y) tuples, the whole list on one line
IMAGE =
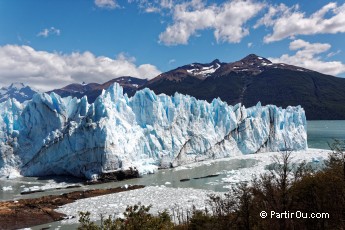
[(320, 133)]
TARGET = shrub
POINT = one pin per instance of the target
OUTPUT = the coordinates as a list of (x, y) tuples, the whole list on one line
[(137, 217)]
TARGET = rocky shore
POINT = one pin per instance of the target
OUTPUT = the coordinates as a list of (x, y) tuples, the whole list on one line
[(25, 213)]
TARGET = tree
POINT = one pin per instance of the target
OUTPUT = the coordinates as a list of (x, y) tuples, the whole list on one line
[(338, 157)]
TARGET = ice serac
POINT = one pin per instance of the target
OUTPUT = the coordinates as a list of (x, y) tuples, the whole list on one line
[(50, 135)]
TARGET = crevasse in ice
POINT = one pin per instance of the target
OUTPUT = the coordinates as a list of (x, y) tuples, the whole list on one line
[(50, 135)]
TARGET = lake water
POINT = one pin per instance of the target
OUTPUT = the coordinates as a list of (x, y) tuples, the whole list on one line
[(196, 178), (320, 133)]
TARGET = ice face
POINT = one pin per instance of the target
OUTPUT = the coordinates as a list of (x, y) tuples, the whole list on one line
[(51, 135)]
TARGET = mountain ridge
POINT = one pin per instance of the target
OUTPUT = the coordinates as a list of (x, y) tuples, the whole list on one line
[(247, 81), (255, 78)]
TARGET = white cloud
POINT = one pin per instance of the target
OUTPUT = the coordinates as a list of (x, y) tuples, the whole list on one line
[(49, 31), (157, 5), (289, 22), (306, 56), (167, 3), (47, 71), (108, 4), (162, 7), (152, 10), (331, 54), (172, 61), (227, 20), (250, 44)]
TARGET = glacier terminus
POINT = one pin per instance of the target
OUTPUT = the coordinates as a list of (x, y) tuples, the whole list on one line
[(50, 135)]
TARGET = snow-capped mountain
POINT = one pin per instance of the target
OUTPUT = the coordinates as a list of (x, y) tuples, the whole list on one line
[(51, 135), (255, 78), (19, 91), (253, 65), (203, 70), (191, 72), (250, 65)]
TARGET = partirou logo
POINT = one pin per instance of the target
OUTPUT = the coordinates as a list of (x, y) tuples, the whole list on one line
[(297, 214)]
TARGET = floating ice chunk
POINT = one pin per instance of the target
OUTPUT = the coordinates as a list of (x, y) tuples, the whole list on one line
[(7, 188), (125, 186)]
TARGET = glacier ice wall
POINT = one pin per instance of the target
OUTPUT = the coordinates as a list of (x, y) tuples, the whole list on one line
[(50, 135)]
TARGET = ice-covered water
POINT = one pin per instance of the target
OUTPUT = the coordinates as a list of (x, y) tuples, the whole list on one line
[(168, 177), (11, 188), (168, 192)]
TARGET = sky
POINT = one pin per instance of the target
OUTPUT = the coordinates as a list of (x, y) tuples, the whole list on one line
[(52, 43)]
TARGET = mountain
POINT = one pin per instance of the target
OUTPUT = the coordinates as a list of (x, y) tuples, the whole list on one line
[(93, 90), (183, 79), (254, 79), (19, 91), (51, 135)]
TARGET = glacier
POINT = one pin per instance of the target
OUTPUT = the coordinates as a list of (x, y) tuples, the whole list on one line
[(50, 135)]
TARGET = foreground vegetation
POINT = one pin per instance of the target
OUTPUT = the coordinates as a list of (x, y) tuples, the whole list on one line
[(287, 189)]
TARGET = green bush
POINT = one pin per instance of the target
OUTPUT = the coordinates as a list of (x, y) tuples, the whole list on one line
[(137, 217)]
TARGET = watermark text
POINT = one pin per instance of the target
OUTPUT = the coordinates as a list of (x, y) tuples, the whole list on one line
[(290, 215)]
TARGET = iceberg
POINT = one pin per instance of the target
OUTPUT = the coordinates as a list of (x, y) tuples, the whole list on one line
[(50, 135)]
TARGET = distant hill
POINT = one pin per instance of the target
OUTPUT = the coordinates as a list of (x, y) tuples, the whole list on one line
[(19, 91)]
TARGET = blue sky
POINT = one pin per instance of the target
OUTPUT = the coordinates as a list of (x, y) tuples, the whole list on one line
[(51, 43)]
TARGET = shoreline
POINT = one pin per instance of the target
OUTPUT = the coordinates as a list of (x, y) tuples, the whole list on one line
[(25, 213)]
